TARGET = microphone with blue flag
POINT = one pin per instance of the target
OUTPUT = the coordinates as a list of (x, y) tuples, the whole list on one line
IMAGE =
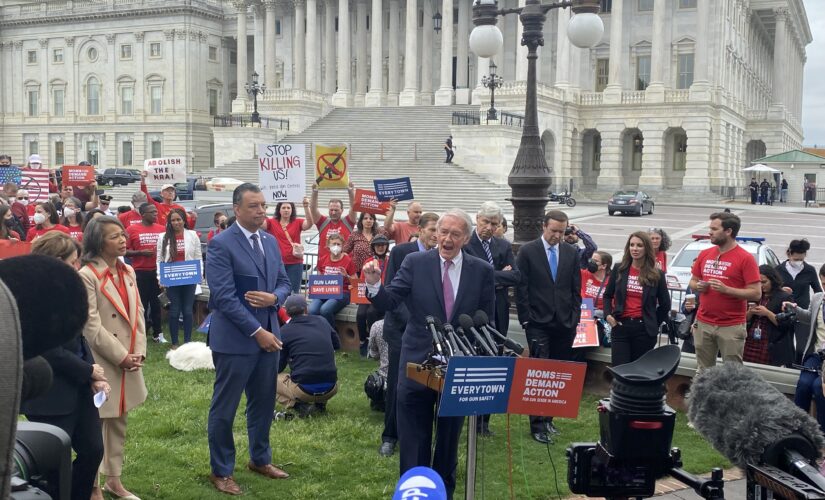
[(420, 483)]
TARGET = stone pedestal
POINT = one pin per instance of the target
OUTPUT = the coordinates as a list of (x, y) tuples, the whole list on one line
[(462, 96)]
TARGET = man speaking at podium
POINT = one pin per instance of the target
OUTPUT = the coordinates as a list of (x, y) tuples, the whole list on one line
[(443, 283)]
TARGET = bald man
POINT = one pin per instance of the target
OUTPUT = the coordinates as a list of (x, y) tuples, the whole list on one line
[(401, 231)]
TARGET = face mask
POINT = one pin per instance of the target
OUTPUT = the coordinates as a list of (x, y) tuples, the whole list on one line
[(68, 213), (592, 266), (9, 222), (796, 264), (23, 202), (335, 249), (39, 218)]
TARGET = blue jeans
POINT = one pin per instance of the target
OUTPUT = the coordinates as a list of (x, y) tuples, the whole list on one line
[(809, 387), (295, 273), (181, 299), (328, 308)]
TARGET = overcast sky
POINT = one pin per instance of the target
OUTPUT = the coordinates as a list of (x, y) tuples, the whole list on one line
[(813, 104)]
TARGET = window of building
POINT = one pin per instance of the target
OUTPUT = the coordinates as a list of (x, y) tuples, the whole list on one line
[(57, 56), (606, 5), (602, 72), (420, 18), (645, 5), (642, 72), (126, 51), (34, 102), (685, 64), (93, 97), (57, 102), (213, 53), (154, 49), (687, 4), (368, 24), (156, 96), (336, 24), (233, 57), (59, 153), (92, 152), (126, 153), (213, 102), (455, 15), (156, 149), (31, 56), (278, 27), (34, 147), (92, 54), (127, 97)]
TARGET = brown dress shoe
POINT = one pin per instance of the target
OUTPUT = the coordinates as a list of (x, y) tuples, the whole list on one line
[(268, 470), (225, 484)]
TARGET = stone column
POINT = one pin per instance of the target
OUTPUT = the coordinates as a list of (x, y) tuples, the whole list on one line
[(651, 176), (482, 68), (444, 94), (361, 53), (563, 49), (409, 96), (393, 66), (258, 40), (699, 90), (610, 168), (462, 77), (312, 46), (343, 96), (613, 91), (375, 96), (521, 50), (779, 49), (270, 78), (243, 72), (427, 32), (329, 47), (298, 54), (655, 92)]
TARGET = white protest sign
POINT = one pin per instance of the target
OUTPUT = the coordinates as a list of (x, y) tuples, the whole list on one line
[(169, 170), (282, 172)]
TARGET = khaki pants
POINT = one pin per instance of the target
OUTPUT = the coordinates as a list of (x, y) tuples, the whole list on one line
[(114, 440), (711, 339), (288, 392)]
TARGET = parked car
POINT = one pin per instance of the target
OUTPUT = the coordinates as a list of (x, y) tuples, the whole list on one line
[(222, 184), (630, 202), (206, 220), (118, 176)]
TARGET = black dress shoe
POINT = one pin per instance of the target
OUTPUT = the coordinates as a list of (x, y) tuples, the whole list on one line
[(387, 449), (542, 437), (551, 428)]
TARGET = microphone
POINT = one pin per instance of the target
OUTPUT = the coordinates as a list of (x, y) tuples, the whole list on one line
[(750, 422), (439, 330), (481, 326), (436, 342), (468, 326), (483, 321), (459, 345), (37, 378), (462, 335)]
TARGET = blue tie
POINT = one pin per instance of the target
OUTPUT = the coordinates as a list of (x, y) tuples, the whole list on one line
[(554, 262)]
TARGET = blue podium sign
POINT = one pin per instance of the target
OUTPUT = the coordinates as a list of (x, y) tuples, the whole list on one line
[(476, 386), (187, 272)]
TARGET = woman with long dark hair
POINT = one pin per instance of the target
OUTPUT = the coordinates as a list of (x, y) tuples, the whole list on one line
[(286, 227), (769, 340), (45, 219), (9, 229), (358, 245), (636, 300), (179, 244)]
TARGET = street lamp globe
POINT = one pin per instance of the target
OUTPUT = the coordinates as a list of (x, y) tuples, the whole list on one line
[(585, 30), (486, 40)]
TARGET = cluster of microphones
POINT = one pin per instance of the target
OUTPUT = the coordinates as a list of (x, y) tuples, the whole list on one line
[(475, 337)]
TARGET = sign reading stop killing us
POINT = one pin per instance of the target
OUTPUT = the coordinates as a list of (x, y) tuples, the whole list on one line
[(282, 172)]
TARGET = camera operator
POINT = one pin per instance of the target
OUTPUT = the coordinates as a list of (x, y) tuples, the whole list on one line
[(572, 235), (810, 384)]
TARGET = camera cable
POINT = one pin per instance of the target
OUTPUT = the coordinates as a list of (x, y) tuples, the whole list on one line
[(555, 474)]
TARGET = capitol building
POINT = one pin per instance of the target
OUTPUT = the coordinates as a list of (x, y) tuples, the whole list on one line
[(678, 95)]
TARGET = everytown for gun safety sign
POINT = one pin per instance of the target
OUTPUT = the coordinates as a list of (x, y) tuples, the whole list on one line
[(282, 172)]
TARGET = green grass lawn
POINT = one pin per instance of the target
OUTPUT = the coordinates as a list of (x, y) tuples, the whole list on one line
[(335, 456)]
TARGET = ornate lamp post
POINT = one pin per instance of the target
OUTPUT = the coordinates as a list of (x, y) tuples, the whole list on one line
[(254, 89), (529, 178), (492, 82), (436, 19)]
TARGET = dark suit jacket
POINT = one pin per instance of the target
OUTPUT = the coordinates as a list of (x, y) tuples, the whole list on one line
[(655, 300), (72, 380), (780, 337), (542, 302), (231, 255), (396, 320), (418, 285), (502, 254)]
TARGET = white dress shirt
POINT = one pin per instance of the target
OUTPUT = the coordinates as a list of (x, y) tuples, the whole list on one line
[(248, 236)]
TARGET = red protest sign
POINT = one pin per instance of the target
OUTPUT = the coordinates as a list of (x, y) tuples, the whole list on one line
[(546, 387), (367, 201), (76, 175), (358, 292), (586, 333), (10, 248)]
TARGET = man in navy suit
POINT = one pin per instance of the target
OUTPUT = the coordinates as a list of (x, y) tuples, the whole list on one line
[(442, 283), (247, 282)]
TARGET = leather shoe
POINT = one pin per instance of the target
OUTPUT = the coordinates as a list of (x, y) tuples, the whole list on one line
[(225, 484), (542, 437), (268, 470), (387, 449), (551, 428)]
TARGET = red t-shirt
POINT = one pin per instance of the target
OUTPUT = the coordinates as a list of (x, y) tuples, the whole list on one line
[(181, 247), (401, 231), (130, 218), (333, 227), (590, 288), (735, 268), (163, 208), (34, 232), (273, 227), (144, 238), (76, 232), (661, 260), (344, 267), (633, 299), (212, 233)]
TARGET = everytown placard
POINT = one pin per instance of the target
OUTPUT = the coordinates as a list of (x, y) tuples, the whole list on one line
[(282, 172), (169, 170), (388, 189)]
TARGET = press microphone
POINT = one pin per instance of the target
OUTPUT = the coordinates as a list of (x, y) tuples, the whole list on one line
[(481, 326), (37, 378), (750, 422), (439, 330), (462, 335), (431, 325), (468, 326), (457, 343), (483, 322)]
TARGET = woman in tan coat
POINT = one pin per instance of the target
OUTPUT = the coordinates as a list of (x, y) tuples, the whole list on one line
[(117, 336)]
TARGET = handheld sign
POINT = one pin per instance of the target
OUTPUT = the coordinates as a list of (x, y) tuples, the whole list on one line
[(10, 174), (586, 333), (358, 291), (10, 248), (387, 189), (476, 386), (331, 163), (367, 201), (169, 170), (282, 171), (547, 387), (36, 182), (187, 272), (326, 286), (78, 175)]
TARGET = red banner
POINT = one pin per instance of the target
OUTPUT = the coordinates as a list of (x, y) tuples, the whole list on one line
[(545, 387), (367, 201), (10, 248), (76, 175), (358, 292)]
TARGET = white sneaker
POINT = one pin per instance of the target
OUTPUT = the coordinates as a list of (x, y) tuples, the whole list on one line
[(161, 340)]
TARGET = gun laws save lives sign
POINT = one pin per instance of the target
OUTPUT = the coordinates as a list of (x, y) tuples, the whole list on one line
[(282, 172)]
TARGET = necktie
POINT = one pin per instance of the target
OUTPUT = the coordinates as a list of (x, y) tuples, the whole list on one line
[(256, 245), (554, 262), (486, 245), (447, 287)]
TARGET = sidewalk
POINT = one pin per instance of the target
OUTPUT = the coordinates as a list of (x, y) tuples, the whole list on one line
[(733, 205)]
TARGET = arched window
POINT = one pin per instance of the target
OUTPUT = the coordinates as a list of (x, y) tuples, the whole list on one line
[(93, 97)]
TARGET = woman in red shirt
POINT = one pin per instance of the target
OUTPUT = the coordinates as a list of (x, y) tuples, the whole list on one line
[(367, 314), (286, 227), (594, 278), (358, 243), (72, 218), (661, 244), (8, 226), (335, 262), (45, 219), (636, 301)]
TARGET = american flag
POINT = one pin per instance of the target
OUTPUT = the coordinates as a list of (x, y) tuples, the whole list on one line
[(36, 182)]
